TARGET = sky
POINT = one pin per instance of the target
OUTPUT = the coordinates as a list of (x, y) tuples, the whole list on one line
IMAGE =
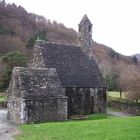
[(116, 23)]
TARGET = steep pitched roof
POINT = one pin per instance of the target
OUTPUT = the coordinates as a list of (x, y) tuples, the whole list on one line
[(37, 82), (74, 68), (85, 19)]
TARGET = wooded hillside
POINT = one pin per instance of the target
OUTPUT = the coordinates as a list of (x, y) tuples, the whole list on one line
[(19, 30)]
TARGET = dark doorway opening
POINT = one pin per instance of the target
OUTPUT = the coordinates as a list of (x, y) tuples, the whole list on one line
[(92, 104)]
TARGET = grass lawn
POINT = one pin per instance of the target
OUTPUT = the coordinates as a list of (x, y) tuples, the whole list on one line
[(114, 109), (97, 127), (115, 94), (2, 98)]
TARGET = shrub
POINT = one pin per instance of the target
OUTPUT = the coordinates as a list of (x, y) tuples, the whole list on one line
[(11, 59)]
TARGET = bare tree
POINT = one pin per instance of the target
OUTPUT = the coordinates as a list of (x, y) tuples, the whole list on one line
[(130, 82)]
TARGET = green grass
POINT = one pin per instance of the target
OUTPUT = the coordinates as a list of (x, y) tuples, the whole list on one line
[(97, 127), (115, 94), (2, 98), (113, 109), (98, 116)]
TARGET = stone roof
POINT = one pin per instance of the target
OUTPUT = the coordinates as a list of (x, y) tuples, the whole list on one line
[(74, 68), (85, 19), (37, 82)]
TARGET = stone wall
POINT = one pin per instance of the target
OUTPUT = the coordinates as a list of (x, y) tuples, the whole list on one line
[(36, 59), (126, 107), (14, 109), (13, 101), (45, 109), (86, 100), (37, 110), (85, 34)]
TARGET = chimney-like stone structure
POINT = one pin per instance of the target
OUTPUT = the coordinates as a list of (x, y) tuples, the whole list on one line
[(85, 34)]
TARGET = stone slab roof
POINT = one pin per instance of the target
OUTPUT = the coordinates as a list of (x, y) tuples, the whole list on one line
[(84, 20), (37, 82), (75, 69)]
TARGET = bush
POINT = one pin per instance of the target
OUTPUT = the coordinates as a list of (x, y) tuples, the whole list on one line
[(14, 58), (111, 82), (114, 54), (5, 31), (11, 59)]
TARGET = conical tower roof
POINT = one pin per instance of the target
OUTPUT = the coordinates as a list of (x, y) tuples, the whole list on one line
[(85, 19)]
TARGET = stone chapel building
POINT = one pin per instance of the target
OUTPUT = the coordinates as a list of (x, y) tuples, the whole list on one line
[(61, 81)]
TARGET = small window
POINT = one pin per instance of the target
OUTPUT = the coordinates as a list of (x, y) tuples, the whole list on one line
[(80, 38), (13, 103), (89, 28), (100, 110), (79, 28)]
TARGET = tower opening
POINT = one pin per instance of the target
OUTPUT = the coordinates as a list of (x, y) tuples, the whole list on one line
[(89, 28), (79, 28), (85, 34), (80, 39)]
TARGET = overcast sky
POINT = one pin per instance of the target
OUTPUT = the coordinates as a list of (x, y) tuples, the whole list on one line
[(116, 23)]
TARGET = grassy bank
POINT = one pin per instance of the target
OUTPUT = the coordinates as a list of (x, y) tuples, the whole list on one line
[(2, 96), (95, 128), (116, 94)]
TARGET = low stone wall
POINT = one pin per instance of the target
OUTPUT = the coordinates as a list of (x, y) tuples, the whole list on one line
[(133, 108)]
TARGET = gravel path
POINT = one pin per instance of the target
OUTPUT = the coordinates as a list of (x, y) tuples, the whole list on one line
[(119, 114), (7, 128)]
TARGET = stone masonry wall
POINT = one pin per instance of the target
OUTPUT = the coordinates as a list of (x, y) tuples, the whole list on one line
[(100, 99), (86, 100), (37, 59), (14, 110), (45, 109), (13, 101), (126, 107), (85, 35)]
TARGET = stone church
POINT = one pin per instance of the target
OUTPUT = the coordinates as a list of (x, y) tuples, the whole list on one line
[(60, 81)]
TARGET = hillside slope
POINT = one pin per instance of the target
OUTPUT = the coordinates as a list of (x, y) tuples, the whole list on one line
[(19, 30)]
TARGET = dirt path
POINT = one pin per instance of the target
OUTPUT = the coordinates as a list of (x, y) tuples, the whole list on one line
[(7, 128), (119, 113)]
